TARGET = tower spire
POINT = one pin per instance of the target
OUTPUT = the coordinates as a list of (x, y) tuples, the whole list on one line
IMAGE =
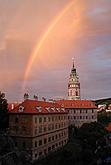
[(73, 62), (74, 84)]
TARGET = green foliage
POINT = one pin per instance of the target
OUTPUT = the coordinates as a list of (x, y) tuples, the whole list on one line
[(90, 133), (104, 118), (106, 101)]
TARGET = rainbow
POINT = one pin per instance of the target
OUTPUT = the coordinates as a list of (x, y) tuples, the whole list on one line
[(42, 40)]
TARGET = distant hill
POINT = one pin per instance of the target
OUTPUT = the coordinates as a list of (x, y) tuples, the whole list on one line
[(103, 101)]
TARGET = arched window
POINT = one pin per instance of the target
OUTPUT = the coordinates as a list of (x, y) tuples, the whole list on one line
[(70, 92), (76, 93)]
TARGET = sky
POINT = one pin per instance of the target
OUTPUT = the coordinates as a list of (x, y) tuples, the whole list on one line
[(83, 32)]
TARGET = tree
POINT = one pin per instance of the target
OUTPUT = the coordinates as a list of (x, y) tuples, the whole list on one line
[(89, 133), (104, 118), (3, 112)]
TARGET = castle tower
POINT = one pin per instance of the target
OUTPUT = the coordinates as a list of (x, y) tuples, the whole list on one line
[(73, 85)]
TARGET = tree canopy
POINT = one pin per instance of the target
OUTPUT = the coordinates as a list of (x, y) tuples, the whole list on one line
[(3, 112)]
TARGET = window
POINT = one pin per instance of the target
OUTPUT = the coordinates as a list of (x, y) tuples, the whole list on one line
[(45, 151), (80, 117), (35, 131), (21, 109), (44, 119), (76, 93), (92, 110), (40, 119), (70, 93), (49, 149), (56, 118), (77, 117), (40, 129), (35, 119), (45, 129), (80, 111), (16, 119), (49, 139), (45, 141), (15, 144), (74, 117), (86, 117), (56, 136), (49, 127), (35, 144), (52, 118), (40, 153), (64, 133), (16, 128), (86, 111), (56, 126), (35, 155), (40, 142), (24, 145), (52, 126), (53, 146), (49, 119), (52, 137)]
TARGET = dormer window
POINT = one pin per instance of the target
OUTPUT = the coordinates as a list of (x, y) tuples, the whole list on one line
[(39, 108), (62, 105), (21, 109), (58, 109), (53, 109), (48, 109), (63, 109)]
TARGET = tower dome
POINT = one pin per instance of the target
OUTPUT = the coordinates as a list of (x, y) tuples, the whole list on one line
[(73, 85)]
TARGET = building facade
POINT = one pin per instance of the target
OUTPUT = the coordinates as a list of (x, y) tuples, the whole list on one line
[(79, 111), (38, 127), (73, 85)]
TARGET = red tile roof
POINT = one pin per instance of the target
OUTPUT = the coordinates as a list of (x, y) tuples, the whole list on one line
[(77, 104), (11, 106), (34, 106)]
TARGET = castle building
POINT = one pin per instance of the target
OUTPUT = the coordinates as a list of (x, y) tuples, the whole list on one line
[(38, 127), (79, 111), (73, 85)]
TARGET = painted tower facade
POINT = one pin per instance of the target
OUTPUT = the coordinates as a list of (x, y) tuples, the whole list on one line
[(73, 85)]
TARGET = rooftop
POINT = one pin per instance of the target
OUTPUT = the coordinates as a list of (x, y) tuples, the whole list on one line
[(34, 106), (77, 104)]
